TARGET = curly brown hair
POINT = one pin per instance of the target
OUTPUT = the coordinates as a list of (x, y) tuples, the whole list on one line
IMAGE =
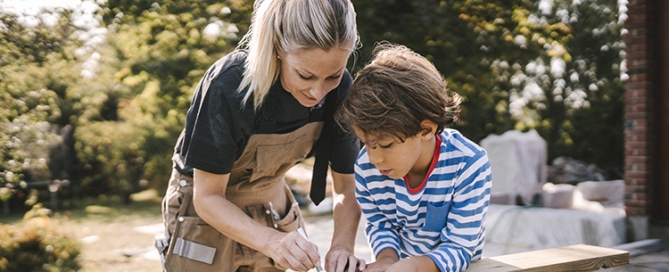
[(394, 93)]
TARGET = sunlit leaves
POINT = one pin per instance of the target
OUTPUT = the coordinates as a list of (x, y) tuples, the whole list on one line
[(160, 51), (34, 64), (513, 62), (518, 64)]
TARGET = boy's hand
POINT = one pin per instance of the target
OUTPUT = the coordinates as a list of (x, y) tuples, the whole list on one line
[(401, 267), (382, 264), (341, 260), (417, 264), (378, 266)]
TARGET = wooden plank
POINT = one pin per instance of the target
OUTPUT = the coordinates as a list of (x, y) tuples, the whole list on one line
[(643, 247), (569, 258)]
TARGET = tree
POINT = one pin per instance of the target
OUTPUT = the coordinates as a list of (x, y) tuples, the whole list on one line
[(159, 50), (120, 84), (35, 63), (553, 66)]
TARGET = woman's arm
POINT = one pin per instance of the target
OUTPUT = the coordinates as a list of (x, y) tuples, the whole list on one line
[(287, 249), (346, 213)]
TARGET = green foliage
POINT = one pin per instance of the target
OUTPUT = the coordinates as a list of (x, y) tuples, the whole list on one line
[(126, 99), (112, 155), (31, 62), (37, 244), (466, 40), (159, 50), (22, 44), (518, 66), (515, 65)]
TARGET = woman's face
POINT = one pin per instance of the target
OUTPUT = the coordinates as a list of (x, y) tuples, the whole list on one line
[(310, 74)]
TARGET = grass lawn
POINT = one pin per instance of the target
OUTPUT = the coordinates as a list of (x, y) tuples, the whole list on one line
[(116, 237), (111, 234)]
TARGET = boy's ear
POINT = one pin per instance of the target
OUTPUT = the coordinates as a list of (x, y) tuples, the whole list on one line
[(428, 129)]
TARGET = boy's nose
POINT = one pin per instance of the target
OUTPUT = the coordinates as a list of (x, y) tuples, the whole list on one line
[(374, 158)]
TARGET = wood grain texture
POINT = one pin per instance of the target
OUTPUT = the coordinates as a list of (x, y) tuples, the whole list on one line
[(568, 258)]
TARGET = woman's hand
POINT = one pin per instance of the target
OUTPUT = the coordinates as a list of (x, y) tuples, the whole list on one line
[(292, 251), (289, 250), (339, 259)]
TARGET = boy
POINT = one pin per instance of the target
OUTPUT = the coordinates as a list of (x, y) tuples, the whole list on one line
[(423, 189)]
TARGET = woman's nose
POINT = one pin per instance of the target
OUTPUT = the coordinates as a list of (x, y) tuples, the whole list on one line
[(317, 90)]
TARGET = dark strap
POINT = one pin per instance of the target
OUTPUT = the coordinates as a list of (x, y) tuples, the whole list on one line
[(323, 149)]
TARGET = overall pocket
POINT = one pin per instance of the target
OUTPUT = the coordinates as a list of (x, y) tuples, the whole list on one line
[(178, 194), (171, 205), (196, 246), (292, 220)]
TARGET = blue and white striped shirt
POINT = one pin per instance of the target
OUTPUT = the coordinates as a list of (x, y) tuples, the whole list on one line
[(445, 220)]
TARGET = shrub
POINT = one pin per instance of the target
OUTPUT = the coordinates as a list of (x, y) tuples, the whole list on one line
[(36, 244)]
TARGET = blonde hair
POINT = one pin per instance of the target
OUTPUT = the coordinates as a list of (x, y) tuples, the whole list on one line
[(394, 93), (289, 26)]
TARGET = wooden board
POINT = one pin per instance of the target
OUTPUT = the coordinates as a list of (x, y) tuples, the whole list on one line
[(569, 258)]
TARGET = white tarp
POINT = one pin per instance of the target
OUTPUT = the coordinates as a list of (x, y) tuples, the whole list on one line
[(518, 162), (609, 193), (512, 229)]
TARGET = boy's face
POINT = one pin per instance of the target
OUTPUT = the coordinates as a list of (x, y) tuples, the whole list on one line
[(395, 158)]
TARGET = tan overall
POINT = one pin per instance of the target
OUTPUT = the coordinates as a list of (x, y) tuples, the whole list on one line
[(256, 180)]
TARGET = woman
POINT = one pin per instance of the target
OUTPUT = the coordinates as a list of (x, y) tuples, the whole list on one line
[(257, 112)]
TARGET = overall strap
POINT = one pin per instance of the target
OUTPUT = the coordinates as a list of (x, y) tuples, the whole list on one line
[(323, 149), (265, 124)]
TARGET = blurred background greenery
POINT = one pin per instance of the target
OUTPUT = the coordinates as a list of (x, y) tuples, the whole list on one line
[(96, 93)]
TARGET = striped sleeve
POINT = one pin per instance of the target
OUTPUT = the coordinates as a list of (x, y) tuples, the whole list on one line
[(380, 231), (462, 237)]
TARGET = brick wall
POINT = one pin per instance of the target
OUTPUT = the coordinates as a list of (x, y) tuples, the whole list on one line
[(637, 109)]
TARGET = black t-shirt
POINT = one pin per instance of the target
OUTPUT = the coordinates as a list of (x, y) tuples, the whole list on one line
[(218, 127)]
